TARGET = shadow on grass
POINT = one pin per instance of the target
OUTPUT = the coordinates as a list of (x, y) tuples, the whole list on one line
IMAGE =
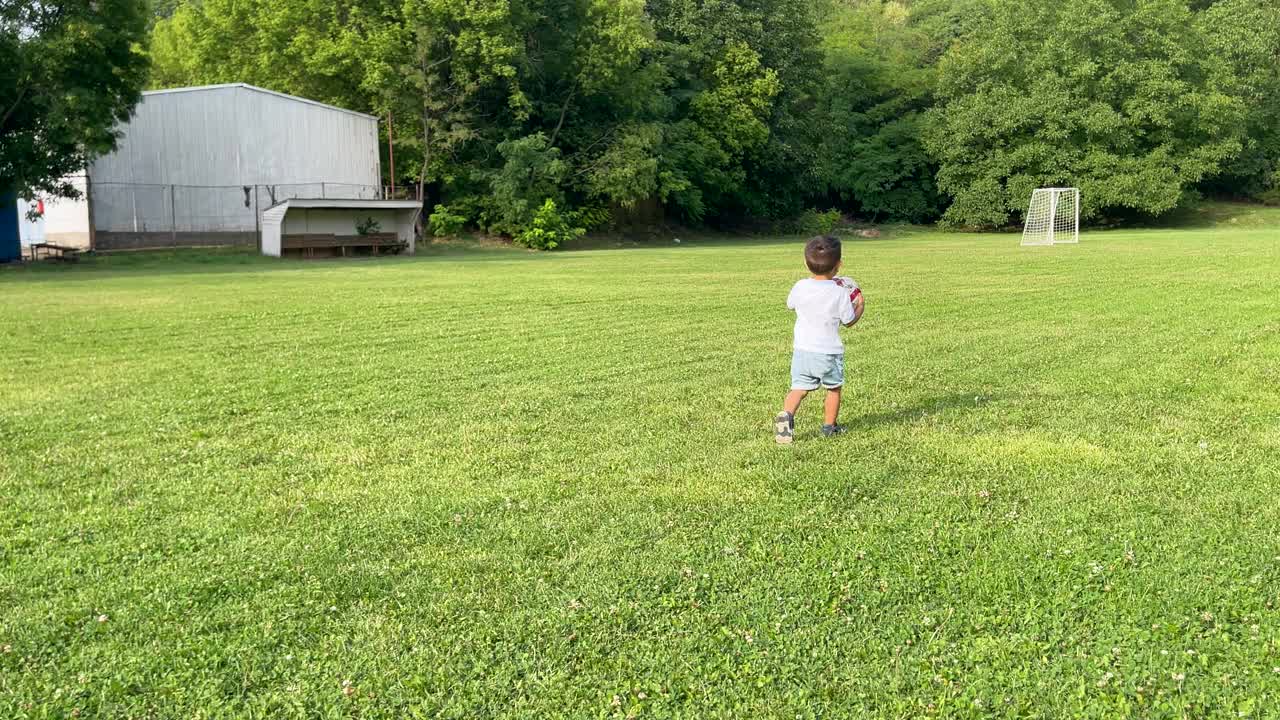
[(1208, 216), (911, 413)]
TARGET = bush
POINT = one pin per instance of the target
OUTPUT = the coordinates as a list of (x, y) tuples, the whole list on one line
[(813, 222), (445, 222), (593, 218), (478, 207), (827, 221), (531, 173), (368, 226), (1271, 194), (549, 230)]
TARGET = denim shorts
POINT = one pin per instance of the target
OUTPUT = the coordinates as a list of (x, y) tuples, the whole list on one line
[(810, 369)]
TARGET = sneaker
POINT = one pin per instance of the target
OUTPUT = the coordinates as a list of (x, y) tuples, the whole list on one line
[(784, 428), (832, 430)]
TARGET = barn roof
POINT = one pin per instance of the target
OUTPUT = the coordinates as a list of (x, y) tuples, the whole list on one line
[(254, 88)]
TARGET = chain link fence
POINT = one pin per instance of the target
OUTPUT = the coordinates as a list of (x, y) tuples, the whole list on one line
[(131, 215)]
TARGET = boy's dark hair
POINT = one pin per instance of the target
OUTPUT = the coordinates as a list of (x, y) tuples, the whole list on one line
[(822, 254)]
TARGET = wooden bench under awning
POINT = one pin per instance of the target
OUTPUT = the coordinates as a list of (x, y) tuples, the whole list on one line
[(322, 241)]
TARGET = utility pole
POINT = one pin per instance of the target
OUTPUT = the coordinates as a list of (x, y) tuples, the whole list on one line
[(391, 152)]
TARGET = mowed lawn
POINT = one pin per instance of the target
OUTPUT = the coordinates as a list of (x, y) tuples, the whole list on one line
[(498, 484)]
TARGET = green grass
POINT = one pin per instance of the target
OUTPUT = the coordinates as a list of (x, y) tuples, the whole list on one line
[(499, 484)]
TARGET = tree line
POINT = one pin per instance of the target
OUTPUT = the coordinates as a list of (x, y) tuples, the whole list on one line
[(70, 71), (556, 113)]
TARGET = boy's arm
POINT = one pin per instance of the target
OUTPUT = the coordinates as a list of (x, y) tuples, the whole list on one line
[(848, 313), (857, 309), (791, 299)]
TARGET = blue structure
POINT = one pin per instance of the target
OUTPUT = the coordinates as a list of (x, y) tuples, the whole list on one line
[(10, 242)]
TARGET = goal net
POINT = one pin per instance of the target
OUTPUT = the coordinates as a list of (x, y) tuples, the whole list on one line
[(1053, 217)]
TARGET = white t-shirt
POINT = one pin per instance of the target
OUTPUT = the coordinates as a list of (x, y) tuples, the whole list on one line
[(821, 308)]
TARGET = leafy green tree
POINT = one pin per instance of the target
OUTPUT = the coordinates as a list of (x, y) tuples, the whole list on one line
[(70, 71), (783, 173), (310, 48), (706, 105), (879, 84), (596, 93), (445, 70), (531, 176), (1247, 34), (448, 68), (578, 51), (758, 61), (671, 102), (943, 23), (161, 9), (1116, 97)]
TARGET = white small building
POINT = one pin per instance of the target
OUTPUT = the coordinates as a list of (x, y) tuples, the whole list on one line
[(306, 225), (31, 222), (60, 221), (198, 166)]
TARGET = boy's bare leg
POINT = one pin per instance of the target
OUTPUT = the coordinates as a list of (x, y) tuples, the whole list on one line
[(794, 398), (832, 407)]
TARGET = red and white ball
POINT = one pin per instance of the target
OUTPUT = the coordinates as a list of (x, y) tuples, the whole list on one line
[(855, 295)]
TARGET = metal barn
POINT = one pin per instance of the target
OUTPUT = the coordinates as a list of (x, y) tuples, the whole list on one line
[(198, 166)]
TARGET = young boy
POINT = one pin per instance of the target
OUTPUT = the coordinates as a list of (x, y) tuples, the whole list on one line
[(821, 307)]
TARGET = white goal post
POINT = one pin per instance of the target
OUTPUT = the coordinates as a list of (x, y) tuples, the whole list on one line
[(1053, 218)]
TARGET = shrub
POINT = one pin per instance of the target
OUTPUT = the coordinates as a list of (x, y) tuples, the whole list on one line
[(1271, 194), (531, 173), (368, 226), (827, 221), (479, 209), (592, 218), (446, 222), (813, 222), (549, 230)]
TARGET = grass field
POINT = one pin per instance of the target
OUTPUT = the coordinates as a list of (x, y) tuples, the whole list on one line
[(489, 483)]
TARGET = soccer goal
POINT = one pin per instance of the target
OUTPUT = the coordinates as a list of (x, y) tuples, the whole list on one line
[(1053, 217)]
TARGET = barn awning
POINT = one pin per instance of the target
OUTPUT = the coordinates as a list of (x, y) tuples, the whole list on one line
[(337, 217)]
